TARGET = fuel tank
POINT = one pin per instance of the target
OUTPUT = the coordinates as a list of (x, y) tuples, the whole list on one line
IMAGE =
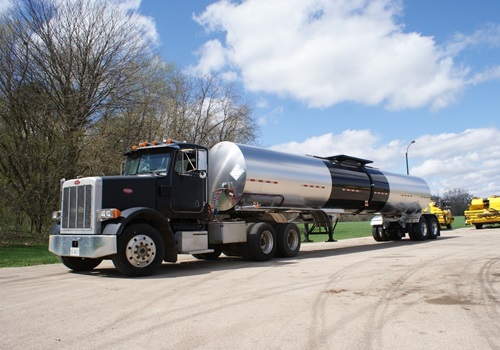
[(246, 176)]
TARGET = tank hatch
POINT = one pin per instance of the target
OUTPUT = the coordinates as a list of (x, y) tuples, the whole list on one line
[(347, 160)]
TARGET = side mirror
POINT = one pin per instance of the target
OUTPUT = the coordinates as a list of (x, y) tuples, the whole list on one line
[(202, 158)]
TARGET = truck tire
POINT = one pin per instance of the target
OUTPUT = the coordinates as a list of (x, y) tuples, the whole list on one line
[(478, 226), (140, 250), (378, 233), (433, 226), (80, 264), (419, 231), (377, 236), (288, 237), (261, 242)]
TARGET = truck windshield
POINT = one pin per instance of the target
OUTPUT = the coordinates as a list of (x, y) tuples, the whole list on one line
[(147, 163)]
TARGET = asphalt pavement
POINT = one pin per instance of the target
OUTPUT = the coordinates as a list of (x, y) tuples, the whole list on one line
[(351, 294)]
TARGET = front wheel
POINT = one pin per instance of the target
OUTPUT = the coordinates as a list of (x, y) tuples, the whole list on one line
[(80, 264), (140, 250)]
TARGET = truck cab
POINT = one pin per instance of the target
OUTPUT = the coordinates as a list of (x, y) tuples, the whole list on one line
[(133, 218), (179, 171)]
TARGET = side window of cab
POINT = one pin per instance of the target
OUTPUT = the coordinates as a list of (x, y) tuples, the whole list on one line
[(185, 161)]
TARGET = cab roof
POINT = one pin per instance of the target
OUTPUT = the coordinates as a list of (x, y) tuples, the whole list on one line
[(154, 145)]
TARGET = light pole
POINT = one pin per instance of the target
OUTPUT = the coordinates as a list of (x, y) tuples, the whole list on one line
[(407, 170)]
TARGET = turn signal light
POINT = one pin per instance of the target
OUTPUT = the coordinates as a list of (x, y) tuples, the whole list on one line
[(107, 214)]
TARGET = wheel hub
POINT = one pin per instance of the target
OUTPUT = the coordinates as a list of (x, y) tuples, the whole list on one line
[(292, 240), (140, 251), (266, 242)]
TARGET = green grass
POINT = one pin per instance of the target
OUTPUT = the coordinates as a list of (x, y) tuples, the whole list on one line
[(38, 254), (344, 230), (459, 222), (12, 256)]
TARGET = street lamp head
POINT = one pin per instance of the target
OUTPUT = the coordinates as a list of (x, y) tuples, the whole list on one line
[(407, 170), (409, 145)]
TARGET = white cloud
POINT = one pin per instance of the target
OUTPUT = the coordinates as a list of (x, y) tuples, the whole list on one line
[(357, 143), (272, 117), (212, 57), (4, 5), (146, 24), (468, 160), (486, 35), (492, 73), (324, 52)]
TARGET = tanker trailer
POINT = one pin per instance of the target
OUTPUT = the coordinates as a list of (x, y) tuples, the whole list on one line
[(178, 198), (260, 184)]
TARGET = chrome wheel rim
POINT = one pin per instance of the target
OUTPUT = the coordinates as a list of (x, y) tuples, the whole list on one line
[(292, 239), (141, 251), (266, 242)]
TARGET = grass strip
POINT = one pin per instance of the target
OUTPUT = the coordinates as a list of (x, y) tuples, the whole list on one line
[(13, 256)]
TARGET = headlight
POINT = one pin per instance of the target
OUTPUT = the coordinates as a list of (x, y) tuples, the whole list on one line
[(106, 214)]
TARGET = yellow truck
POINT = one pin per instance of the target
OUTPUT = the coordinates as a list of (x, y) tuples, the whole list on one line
[(444, 215), (483, 211)]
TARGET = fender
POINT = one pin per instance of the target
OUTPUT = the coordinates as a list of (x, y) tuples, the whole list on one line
[(116, 226), (146, 215)]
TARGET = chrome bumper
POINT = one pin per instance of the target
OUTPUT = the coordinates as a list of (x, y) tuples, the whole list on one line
[(84, 246)]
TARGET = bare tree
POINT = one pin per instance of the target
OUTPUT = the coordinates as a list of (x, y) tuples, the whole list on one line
[(213, 111), (458, 199), (65, 64), (85, 55), (201, 109), (143, 118)]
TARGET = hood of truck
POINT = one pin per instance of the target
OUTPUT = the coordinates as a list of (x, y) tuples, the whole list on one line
[(124, 192)]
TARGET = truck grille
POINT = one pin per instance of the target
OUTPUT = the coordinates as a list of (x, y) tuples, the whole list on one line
[(77, 207)]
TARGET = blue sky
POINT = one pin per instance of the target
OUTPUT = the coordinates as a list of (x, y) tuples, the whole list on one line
[(355, 77), (363, 78)]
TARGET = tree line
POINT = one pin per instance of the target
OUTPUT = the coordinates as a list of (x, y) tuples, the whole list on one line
[(80, 83)]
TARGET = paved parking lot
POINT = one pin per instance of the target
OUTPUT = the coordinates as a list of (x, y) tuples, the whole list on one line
[(352, 294)]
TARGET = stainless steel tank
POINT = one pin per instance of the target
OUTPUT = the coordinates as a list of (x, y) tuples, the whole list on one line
[(247, 176), (268, 178), (408, 194)]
